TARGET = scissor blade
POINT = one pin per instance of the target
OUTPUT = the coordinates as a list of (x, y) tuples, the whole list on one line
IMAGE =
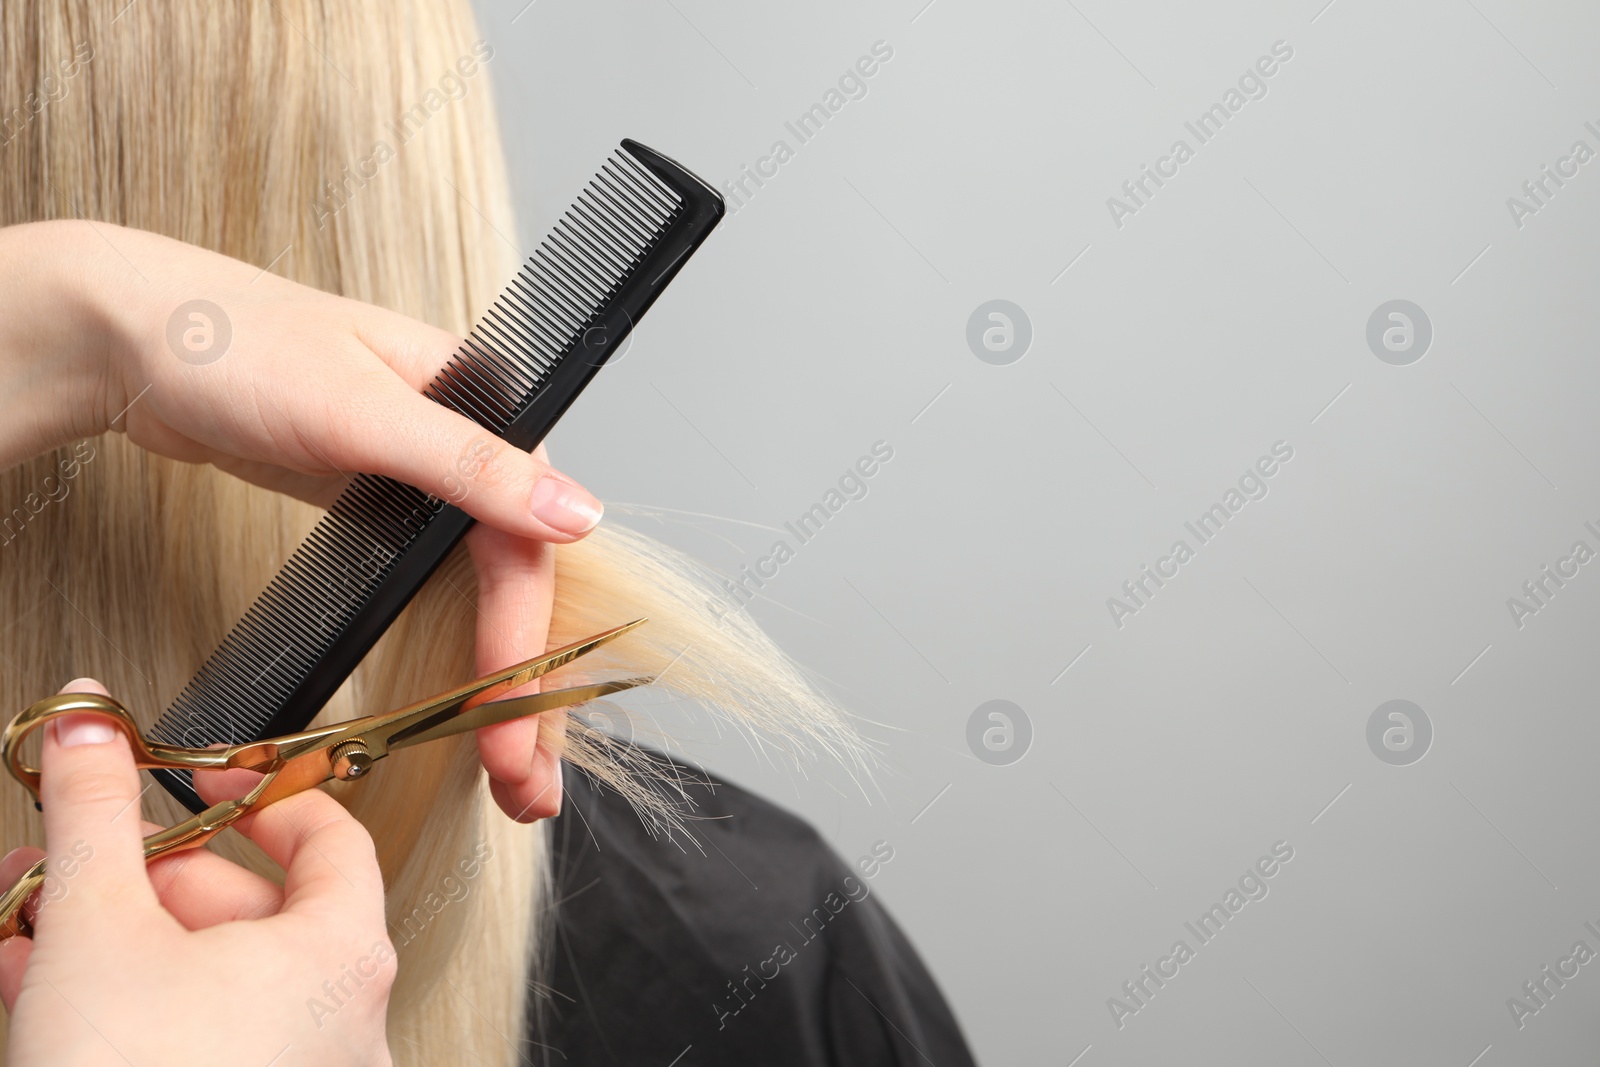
[(483, 689), (419, 719), (498, 711)]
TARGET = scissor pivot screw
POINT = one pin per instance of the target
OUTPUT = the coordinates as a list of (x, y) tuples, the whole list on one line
[(351, 760)]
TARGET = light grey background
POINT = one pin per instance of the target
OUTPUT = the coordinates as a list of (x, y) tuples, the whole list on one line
[(1228, 314)]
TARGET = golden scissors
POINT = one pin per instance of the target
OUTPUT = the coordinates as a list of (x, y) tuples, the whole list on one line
[(291, 764)]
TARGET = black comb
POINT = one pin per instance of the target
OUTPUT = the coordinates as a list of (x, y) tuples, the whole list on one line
[(569, 307)]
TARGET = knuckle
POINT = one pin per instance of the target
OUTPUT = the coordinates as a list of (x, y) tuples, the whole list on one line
[(388, 963), (485, 462), (355, 846), (369, 960), (546, 804)]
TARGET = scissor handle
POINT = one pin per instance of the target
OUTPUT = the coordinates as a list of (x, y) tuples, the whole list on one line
[(187, 834), (190, 833), (11, 903), (145, 754)]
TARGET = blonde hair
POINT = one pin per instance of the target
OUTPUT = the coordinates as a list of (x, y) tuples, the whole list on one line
[(223, 125)]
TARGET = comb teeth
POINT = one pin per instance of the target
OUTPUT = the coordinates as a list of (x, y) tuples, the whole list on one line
[(556, 296), (611, 237)]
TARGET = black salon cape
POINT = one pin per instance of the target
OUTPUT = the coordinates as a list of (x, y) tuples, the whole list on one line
[(649, 933)]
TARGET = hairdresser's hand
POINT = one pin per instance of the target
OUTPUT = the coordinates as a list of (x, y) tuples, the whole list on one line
[(292, 389), (280, 384), (516, 591), (195, 960)]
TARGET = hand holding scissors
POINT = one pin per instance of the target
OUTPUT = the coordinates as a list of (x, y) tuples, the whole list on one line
[(190, 959), (291, 764)]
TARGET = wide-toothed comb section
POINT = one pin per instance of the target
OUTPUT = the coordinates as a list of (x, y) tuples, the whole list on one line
[(536, 325)]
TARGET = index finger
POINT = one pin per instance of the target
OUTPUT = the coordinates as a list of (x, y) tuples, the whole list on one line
[(452, 456), (330, 864)]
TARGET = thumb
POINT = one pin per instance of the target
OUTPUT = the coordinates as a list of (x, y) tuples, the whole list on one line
[(89, 788)]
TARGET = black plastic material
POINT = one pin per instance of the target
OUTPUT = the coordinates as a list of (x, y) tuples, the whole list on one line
[(360, 567)]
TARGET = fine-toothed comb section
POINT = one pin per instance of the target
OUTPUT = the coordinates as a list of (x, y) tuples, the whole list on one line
[(568, 309)]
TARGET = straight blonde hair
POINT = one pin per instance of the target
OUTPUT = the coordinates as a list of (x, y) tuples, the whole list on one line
[(255, 129)]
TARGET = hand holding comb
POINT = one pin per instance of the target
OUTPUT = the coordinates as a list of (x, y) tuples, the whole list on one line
[(570, 306)]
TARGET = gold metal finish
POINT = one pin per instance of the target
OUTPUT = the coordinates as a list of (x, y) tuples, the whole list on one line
[(291, 764), (351, 760)]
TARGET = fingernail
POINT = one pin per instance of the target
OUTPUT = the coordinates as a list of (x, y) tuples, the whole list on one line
[(83, 730), (565, 507)]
